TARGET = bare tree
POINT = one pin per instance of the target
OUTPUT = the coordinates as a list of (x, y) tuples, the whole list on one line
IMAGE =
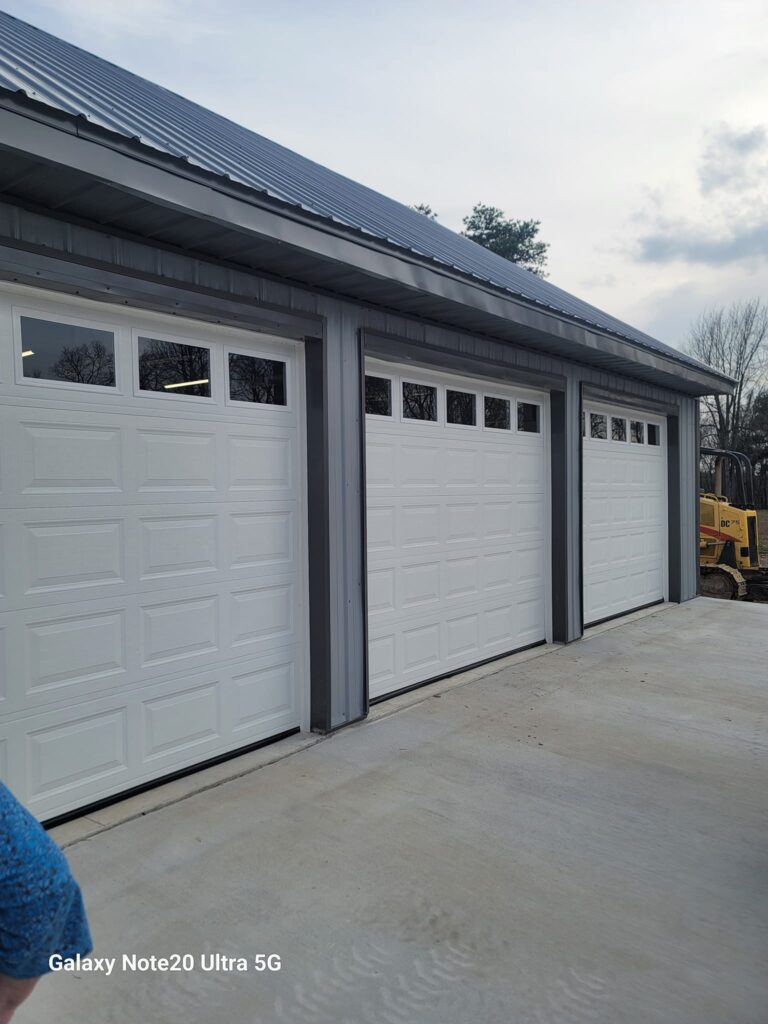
[(89, 363), (735, 341)]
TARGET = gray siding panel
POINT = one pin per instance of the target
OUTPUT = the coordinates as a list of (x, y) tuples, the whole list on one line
[(117, 270)]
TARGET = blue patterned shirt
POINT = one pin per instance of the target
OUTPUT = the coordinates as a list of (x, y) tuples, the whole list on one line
[(41, 909)]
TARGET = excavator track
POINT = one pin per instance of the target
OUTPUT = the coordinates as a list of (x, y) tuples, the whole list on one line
[(723, 581)]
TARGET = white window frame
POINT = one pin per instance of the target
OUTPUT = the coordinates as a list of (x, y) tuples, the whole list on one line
[(174, 396), (260, 353), (464, 391), (512, 403), (71, 321), (607, 417), (529, 433), (394, 391), (425, 382), (644, 442), (615, 440)]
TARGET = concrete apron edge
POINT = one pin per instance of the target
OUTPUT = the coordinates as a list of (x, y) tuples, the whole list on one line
[(88, 825)]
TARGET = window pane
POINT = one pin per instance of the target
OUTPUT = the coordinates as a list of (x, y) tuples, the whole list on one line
[(174, 368), (583, 424), (54, 351), (419, 401), (497, 413), (654, 434), (618, 429), (378, 396), (460, 408), (253, 379), (528, 417), (637, 431), (598, 426)]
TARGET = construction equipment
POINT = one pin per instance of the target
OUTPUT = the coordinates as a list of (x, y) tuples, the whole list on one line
[(729, 550)]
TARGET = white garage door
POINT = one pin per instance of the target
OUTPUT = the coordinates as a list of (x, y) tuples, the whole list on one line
[(152, 529), (458, 523), (625, 510)]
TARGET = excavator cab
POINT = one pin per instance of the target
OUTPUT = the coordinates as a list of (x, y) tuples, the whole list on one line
[(729, 551)]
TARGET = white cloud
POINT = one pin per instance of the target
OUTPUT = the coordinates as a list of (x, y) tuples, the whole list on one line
[(561, 112)]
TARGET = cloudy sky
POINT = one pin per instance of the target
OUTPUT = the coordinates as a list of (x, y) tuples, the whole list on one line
[(636, 132)]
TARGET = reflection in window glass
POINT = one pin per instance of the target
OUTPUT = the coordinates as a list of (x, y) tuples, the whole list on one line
[(497, 413), (598, 426), (637, 431), (419, 401), (528, 417), (253, 379), (654, 434), (55, 351), (378, 396), (583, 423), (174, 368), (618, 429), (460, 407)]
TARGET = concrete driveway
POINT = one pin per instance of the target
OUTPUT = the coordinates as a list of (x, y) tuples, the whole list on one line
[(580, 837)]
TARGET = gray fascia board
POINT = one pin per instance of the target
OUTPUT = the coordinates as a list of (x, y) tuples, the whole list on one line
[(139, 175)]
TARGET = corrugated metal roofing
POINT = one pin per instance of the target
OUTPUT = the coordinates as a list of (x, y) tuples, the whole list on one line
[(56, 73)]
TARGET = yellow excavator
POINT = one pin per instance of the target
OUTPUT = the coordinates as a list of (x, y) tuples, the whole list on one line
[(729, 548)]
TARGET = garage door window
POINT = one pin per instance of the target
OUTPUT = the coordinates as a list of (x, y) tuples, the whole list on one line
[(598, 426), (378, 396), (654, 434), (460, 408), (528, 417), (497, 413), (637, 432), (70, 353), (419, 402), (618, 428), (254, 379), (174, 368)]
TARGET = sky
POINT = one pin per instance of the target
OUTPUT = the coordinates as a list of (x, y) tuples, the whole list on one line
[(636, 132)]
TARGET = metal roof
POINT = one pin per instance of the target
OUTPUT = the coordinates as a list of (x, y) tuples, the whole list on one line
[(56, 73)]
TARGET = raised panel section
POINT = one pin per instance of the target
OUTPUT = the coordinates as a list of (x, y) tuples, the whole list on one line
[(176, 461), (262, 614), (181, 720), (421, 647), (179, 629), (260, 539), (65, 651), (264, 694), (73, 753), (259, 463), (71, 555), (178, 546), (59, 457)]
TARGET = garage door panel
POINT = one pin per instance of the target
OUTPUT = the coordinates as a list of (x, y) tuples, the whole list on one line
[(624, 521), (81, 752), (57, 556), (152, 570), (176, 460), (457, 521)]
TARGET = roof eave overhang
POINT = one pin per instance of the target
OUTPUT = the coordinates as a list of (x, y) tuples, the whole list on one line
[(52, 137)]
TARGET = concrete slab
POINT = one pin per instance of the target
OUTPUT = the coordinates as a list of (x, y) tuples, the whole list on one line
[(576, 838)]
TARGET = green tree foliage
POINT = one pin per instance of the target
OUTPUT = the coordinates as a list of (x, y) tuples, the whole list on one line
[(515, 240), (426, 209)]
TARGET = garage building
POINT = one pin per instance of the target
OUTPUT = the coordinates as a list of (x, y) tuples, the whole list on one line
[(274, 446)]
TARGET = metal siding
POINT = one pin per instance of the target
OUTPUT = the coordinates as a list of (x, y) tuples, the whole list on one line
[(211, 284), (68, 79)]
